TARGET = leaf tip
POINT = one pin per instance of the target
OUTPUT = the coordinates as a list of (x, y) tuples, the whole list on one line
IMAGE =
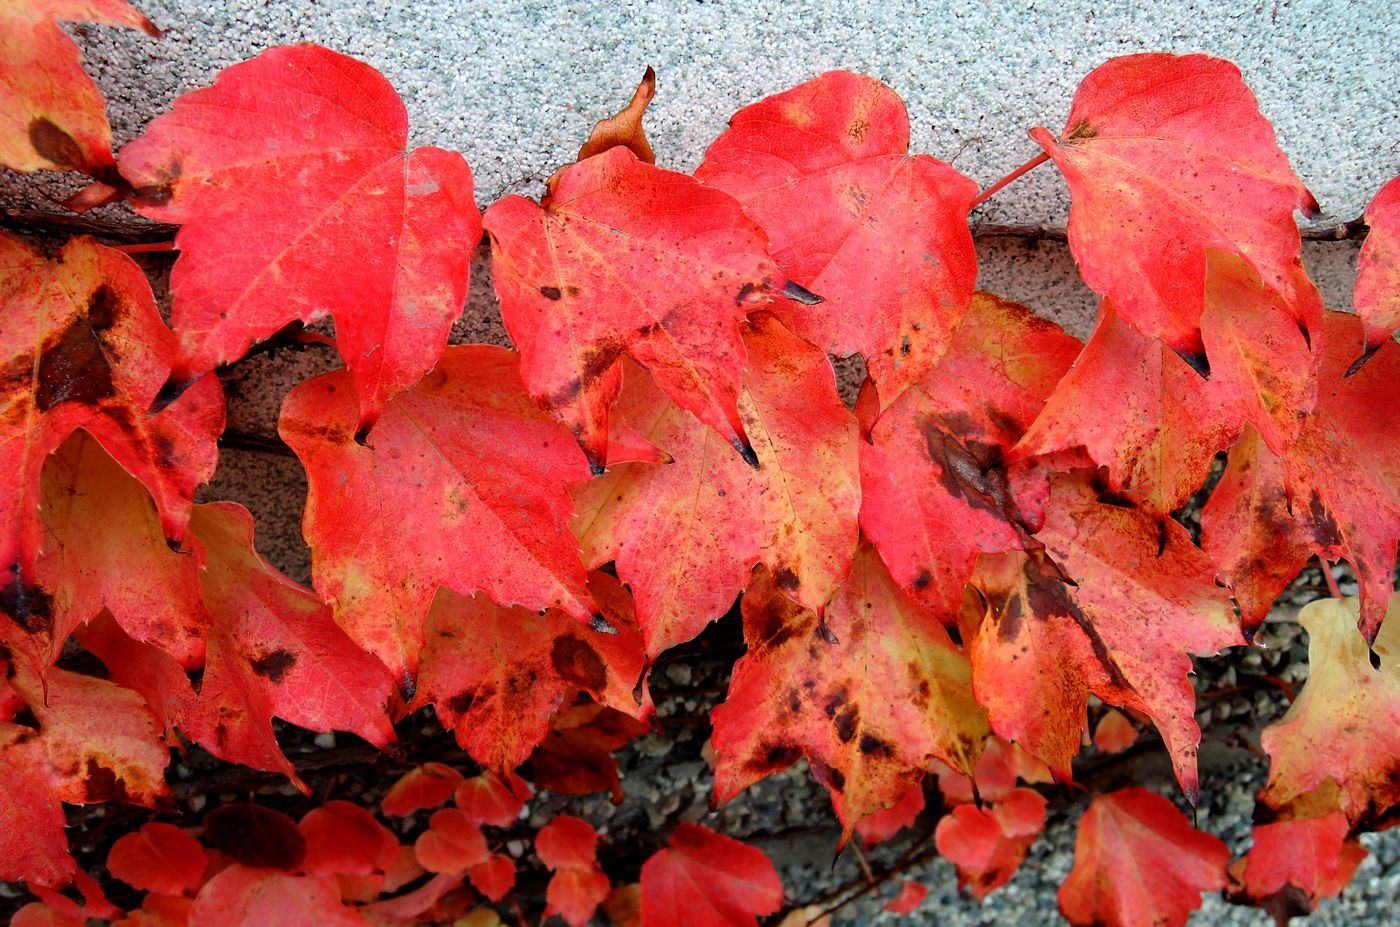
[(171, 390), (746, 451), (1197, 361), (597, 622), (799, 293), (1369, 352)]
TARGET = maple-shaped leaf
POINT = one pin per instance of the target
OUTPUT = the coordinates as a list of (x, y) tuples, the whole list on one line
[(274, 650), (491, 799), (344, 839), (497, 675), (158, 858), (451, 843), (299, 198), (988, 844), (868, 712), (240, 896), (96, 740), (576, 756), (1124, 836), (1135, 408), (84, 347), (1166, 156), (426, 786), (568, 845), (462, 484), (686, 536), (1376, 296), (881, 234), (625, 258), (33, 846), (53, 115), (1293, 864), (1340, 731), (1335, 492), (935, 492), (704, 879), (1145, 600)]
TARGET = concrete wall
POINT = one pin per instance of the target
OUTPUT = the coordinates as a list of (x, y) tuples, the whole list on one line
[(515, 86)]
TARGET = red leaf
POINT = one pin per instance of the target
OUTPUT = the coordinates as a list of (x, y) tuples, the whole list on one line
[(911, 895), (54, 115), (935, 493), (686, 536), (493, 878), (158, 858), (451, 843), (468, 515), (497, 675), (255, 836), (1166, 156), (988, 845), (426, 786), (159, 911), (84, 347), (1145, 600), (345, 839), (567, 842), (1002, 765), (882, 825), (33, 846), (36, 914), (242, 897), (1137, 409), (868, 712), (1339, 734), (491, 799), (1115, 732), (1377, 293), (575, 893), (881, 234), (1125, 835), (299, 197), (626, 258), (705, 879), (1294, 864), (576, 757)]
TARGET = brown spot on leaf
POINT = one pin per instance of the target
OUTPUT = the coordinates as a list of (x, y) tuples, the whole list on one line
[(102, 784), (273, 666), (846, 721), (462, 702), (102, 310), (74, 369), (255, 836), (27, 606), (55, 145), (786, 579), (551, 293), (579, 664), (871, 745)]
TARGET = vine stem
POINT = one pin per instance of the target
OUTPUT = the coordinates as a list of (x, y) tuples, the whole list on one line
[(1026, 168), (1331, 580)]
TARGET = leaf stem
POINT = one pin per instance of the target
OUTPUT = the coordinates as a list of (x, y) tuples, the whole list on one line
[(1026, 168), (1331, 580)]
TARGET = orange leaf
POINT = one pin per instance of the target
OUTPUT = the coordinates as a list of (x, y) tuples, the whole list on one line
[(625, 128), (868, 711), (911, 895), (45, 91), (426, 786), (687, 535), (493, 878), (626, 258), (451, 843), (567, 842), (1125, 835), (1115, 732), (705, 879), (881, 234), (491, 799), (299, 197)]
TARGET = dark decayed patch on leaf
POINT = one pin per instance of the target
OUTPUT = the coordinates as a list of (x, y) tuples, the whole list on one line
[(255, 836)]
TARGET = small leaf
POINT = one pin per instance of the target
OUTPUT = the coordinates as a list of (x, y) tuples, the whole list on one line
[(158, 858), (704, 879), (344, 839), (255, 836), (426, 786)]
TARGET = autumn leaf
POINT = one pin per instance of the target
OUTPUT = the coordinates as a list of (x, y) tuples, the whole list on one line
[(451, 843), (704, 879), (687, 535), (33, 846), (344, 839), (491, 799), (243, 897), (1293, 864), (299, 198), (1125, 834), (868, 712), (881, 234), (909, 897), (1115, 732), (497, 675), (158, 858), (935, 490), (1339, 732), (988, 844), (426, 786), (624, 129), (568, 845), (1145, 600), (83, 347), (494, 878), (1335, 492), (882, 825), (462, 484), (1002, 766), (1130, 405), (1377, 292), (576, 758), (1166, 156), (624, 258), (54, 115)]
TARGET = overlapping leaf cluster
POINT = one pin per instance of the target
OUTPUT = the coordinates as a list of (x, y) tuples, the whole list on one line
[(940, 579)]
